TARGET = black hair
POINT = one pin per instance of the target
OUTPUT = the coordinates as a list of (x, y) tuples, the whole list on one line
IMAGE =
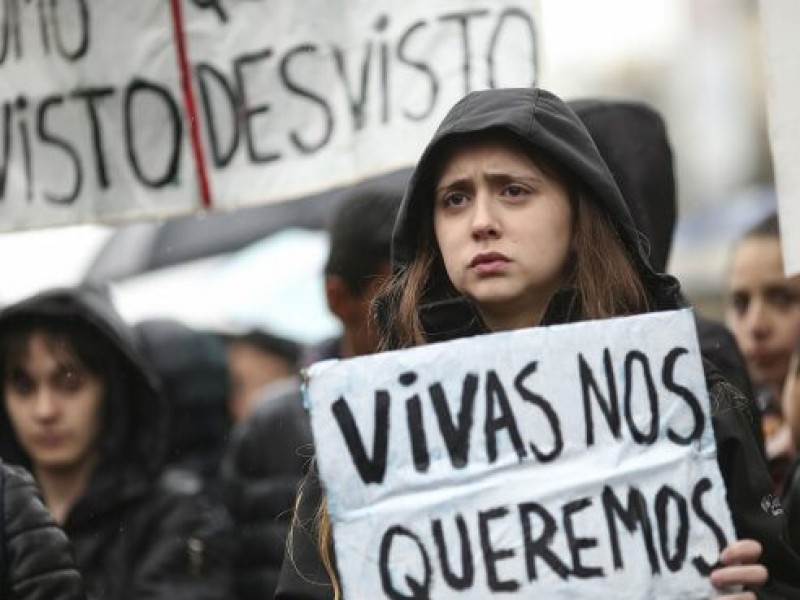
[(270, 343), (361, 232)]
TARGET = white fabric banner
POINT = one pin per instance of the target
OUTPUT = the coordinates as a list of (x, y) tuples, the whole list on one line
[(573, 461), (282, 99), (782, 67)]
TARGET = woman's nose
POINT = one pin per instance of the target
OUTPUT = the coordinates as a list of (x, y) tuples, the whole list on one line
[(485, 224), (758, 319), (45, 406)]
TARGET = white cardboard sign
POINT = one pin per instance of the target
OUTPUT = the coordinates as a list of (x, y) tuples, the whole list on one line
[(116, 110), (782, 67), (574, 461)]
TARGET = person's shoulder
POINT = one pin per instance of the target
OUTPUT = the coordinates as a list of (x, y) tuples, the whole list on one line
[(16, 477)]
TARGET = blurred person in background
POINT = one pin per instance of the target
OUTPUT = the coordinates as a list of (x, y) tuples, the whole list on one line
[(763, 312), (36, 561), (82, 410), (257, 359), (271, 449), (193, 371)]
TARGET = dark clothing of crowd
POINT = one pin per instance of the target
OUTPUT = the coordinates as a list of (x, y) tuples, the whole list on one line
[(36, 561), (259, 485)]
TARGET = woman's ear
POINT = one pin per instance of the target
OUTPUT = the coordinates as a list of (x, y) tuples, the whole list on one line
[(340, 299)]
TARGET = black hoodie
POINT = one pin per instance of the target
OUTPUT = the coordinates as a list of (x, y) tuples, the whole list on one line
[(134, 536), (542, 122)]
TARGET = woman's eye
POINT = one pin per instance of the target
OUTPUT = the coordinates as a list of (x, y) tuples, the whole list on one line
[(20, 383), (70, 380), (782, 298), (454, 199), (514, 191), (740, 301)]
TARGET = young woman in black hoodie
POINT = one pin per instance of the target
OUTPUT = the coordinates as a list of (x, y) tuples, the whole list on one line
[(512, 220), (82, 411)]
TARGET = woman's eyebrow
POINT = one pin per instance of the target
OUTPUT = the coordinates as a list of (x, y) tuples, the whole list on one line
[(512, 176), (454, 182)]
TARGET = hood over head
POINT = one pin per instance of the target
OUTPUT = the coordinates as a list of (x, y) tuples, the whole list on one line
[(539, 120), (632, 139), (134, 431), (193, 370)]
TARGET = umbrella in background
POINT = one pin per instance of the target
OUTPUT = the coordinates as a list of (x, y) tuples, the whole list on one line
[(142, 247), (276, 284)]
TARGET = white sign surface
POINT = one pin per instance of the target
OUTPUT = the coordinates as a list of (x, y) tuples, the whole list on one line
[(117, 110), (572, 461), (782, 67)]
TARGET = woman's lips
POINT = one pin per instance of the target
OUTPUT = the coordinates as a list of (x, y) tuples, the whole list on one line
[(50, 440), (763, 360), (489, 263)]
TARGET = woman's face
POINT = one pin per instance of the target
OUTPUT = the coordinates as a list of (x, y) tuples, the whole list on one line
[(763, 310), (504, 229), (54, 404)]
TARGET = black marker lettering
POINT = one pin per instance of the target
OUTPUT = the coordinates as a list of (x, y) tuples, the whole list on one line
[(544, 406), (703, 566), (496, 397), (420, 66), (81, 13), (380, 27), (632, 517), (462, 19), (668, 378), (456, 437), (609, 407), (416, 426), (134, 90), (577, 544), (419, 588), (25, 140), (540, 546), (7, 113), (50, 138), (649, 437), (205, 75), (304, 146), (674, 561), (492, 556), (248, 112), (356, 100), (467, 577), (90, 95), (507, 14), (371, 470)]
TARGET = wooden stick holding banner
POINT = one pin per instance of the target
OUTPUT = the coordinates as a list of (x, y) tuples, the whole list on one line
[(112, 111), (573, 461)]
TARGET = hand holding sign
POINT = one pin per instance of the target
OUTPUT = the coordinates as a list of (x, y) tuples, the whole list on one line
[(563, 461)]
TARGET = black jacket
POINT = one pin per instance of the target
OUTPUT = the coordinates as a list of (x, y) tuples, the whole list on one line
[(193, 371), (134, 534), (36, 561), (268, 454), (539, 120)]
